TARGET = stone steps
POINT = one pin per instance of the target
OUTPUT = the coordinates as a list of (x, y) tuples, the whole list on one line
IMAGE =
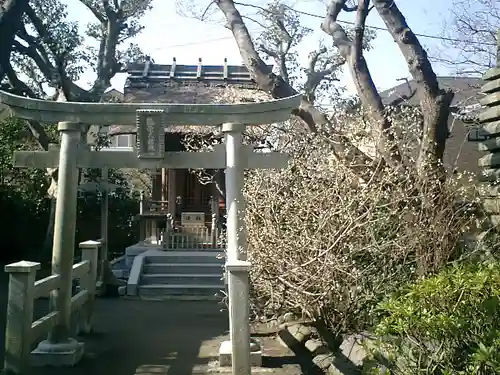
[(187, 256), (180, 279), (181, 274), (183, 268), (179, 290)]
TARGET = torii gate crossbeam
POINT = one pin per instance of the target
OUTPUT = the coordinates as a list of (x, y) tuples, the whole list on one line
[(152, 118)]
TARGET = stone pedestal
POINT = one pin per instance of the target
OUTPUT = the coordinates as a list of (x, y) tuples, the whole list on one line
[(67, 353), (226, 354)]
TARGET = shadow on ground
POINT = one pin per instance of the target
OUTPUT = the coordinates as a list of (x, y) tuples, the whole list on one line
[(135, 337)]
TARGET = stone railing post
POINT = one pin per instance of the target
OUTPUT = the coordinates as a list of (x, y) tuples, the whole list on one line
[(19, 316), (90, 252)]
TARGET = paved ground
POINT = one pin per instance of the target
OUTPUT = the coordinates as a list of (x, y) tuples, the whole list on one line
[(135, 337)]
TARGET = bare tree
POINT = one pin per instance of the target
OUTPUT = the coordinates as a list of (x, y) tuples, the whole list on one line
[(49, 51), (469, 36), (352, 52), (434, 101), (313, 118)]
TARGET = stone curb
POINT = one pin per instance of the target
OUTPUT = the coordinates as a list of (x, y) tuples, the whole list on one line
[(298, 338)]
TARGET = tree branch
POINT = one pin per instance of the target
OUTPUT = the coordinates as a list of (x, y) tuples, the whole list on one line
[(34, 49), (278, 88), (315, 77), (107, 65), (352, 52), (108, 10), (20, 88), (11, 13), (94, 11), (268, 52)]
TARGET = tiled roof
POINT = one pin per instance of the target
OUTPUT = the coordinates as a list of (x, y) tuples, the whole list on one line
[(188, 84), (466, 89), (459, 153), (147, 74)]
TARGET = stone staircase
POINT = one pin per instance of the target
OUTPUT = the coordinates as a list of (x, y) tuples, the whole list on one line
[(185, 274)]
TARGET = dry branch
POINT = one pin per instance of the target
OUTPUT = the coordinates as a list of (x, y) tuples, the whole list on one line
[(327, 247)]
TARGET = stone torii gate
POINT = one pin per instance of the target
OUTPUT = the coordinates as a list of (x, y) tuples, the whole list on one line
[(151, 120)]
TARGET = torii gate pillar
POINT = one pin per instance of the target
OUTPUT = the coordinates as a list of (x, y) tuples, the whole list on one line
[(237, 266), (60, 348)]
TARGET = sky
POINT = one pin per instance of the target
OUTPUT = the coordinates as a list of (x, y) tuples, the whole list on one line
[(168, 34)]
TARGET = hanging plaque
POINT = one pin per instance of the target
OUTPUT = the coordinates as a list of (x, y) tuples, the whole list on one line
[(150, 133)]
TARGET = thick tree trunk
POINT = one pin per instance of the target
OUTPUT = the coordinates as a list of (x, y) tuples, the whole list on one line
[(352, 51), (267, 81), (434, 102), (11, 12)]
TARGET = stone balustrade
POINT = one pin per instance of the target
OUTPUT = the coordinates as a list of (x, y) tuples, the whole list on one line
[(22, 333)]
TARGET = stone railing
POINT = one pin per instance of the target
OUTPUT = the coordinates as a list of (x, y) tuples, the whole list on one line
[(21, 331), (102, 258)]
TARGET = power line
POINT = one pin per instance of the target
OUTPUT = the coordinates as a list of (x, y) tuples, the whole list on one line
[(428, 36), (197, 43), (384, 29), (193, 43)]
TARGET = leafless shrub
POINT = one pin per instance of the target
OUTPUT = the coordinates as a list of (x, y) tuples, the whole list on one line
[(326, 245)]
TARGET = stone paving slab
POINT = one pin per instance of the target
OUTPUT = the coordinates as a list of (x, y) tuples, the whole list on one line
[(136, 337)]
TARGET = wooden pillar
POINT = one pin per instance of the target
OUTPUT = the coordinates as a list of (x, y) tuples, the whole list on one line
[(214, 210), (164, 188), (172, 193), (156, 184)]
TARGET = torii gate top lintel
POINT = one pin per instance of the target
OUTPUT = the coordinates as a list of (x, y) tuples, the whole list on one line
[(125, 113), (151, 118)]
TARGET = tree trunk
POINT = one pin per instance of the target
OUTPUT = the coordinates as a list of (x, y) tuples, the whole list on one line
[(269, 82), (351, 49), (434, 102), (11, 12)]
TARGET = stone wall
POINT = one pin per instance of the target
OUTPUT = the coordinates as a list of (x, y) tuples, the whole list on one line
[(490, 128)]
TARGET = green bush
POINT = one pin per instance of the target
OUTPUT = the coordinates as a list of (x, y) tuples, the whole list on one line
[(444, 324)]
